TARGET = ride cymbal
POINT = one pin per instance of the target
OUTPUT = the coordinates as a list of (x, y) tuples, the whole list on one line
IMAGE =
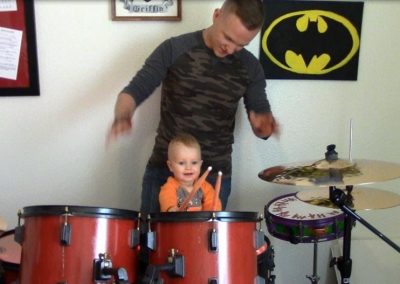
[(332, 173), (360, 198)]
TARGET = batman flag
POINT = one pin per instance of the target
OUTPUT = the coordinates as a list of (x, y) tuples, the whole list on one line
[(311, 39)]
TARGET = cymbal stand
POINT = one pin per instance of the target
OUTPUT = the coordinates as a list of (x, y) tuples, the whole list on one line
[(314, 278), (344, 263)]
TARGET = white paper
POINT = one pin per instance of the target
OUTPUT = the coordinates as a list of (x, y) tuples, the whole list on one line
[(10, 49), (8, 5)]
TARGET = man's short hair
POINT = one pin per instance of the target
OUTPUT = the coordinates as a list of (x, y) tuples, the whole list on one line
[(250, 12)]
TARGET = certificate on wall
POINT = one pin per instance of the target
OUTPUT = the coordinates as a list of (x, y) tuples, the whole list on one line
[(18, 58)]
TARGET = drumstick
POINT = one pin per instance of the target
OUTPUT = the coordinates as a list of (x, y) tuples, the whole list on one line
[(196, 187), (217, 189)]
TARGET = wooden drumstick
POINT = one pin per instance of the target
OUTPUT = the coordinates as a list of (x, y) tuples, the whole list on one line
[(217, 189), (196, 187)]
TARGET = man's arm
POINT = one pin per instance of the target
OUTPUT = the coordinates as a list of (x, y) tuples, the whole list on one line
[(123, 112)]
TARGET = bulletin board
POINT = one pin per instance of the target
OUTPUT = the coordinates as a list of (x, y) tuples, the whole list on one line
[(19, 74)]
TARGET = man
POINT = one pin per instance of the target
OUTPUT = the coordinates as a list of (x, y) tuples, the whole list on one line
[(204, 74)]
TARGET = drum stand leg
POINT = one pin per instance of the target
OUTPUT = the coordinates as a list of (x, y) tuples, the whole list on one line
[(344, 263), (314, 278)]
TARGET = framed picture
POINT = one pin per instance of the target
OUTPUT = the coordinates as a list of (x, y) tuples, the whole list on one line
[(19, 74), (146, 10)]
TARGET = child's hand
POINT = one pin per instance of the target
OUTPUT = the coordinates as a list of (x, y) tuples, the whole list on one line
[(172, 209)]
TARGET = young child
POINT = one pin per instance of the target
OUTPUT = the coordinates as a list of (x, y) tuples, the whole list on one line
[(184, 161)]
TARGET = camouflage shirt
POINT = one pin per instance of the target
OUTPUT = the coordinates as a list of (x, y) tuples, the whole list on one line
[(200, 95)]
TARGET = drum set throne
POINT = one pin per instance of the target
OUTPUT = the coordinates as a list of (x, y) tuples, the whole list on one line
[(67, 244)]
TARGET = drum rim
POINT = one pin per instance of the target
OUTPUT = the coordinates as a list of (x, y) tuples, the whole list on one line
[(198, 216), (77, 210)]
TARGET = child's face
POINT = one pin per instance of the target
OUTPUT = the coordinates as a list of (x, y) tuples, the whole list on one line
[(185, 163)]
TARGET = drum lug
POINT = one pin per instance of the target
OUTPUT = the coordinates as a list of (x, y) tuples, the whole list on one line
[(19, 234), (213, 240), (213, 281), (66, 235), (66, 229), (151, 240), (135, 238), (19, 230), (259, 239)]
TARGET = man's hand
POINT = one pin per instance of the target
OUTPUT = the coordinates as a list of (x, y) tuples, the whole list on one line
[(122, 124), (263, 124)]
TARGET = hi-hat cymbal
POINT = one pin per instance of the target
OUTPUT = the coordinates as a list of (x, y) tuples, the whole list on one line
[(361, 198), (332, 173)]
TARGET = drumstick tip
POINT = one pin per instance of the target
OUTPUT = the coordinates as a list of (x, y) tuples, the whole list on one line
[(220, 173), (209, 168)]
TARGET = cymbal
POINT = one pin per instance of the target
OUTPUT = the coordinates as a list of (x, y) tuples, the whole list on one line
[(362, 198), (332, 173)]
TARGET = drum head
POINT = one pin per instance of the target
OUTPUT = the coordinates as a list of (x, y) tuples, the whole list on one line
[(73, 210), (204, 216)]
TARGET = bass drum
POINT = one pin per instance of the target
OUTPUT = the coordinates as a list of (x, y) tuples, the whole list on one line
[(290, 219), (75, 244), (10, 258), (205, 247)]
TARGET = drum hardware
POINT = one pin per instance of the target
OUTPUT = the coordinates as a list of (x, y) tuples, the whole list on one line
[(344, 263), (151, 236), (65, 230), (135, 235), (103, 270), (213, 235), (175, 267), (314, 278), (334, 172), (19, 230)]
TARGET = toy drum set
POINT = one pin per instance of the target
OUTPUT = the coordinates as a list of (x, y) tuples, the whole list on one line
[(83, 245)]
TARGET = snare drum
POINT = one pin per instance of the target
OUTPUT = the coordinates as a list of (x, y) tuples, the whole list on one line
[(10, 258), (291, 219), (75, 244), (205, 247)]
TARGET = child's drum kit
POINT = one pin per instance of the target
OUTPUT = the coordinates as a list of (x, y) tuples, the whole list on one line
[(77, 245)]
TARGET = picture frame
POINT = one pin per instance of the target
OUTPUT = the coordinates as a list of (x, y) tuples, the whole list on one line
[(146, 10), (19, 73)]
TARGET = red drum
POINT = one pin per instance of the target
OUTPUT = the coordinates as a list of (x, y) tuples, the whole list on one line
[(10, 258), (78, 245), (205, 247), (290, 219)]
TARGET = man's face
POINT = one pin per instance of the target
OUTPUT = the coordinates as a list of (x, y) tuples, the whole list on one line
[(229, 34)]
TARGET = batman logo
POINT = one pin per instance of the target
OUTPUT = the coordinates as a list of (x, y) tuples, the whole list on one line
[(312, 42)]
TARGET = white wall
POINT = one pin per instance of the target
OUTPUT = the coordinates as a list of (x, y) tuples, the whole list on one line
[(52, 147)]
